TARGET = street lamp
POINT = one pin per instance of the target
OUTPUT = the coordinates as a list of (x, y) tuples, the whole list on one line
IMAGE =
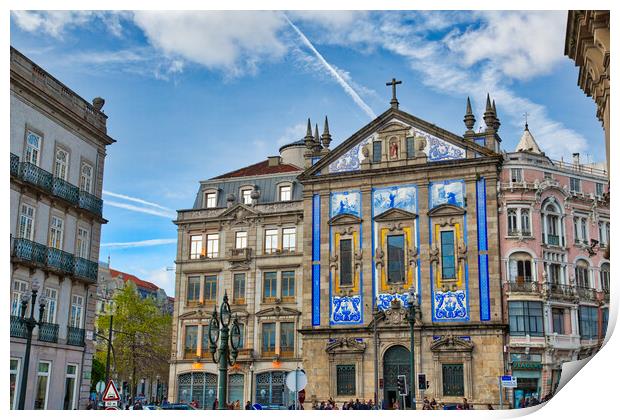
[(30, 323), (251, 383), (225, 356), (414, 311)]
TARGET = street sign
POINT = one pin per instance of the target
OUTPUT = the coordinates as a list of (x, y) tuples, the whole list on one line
[(508, 381), (89, 335), (111, 408), (100, 386), (111, 403), (110, 393), (296, 384)]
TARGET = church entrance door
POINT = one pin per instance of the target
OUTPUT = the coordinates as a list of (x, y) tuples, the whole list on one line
[(395, 362)]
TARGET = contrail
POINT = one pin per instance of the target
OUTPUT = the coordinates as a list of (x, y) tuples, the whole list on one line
[(167, 215), (136, 200), (147, 242), (347, 88)]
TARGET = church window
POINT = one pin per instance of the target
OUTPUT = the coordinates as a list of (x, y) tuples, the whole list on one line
[(271, 241), (452, 378), (195, 250), (525, 318), (285, 193), (588, 322), (210, 200), (346, 260), (345, 380), (270, 286), (448, 263), (516, 175), (210, 288), (376, 151), (246, 196), (269, 338), (213, 245), (410, 148), (396, 258), (288, 239)]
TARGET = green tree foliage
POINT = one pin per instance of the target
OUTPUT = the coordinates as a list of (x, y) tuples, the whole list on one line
[(141, 338), (97, 373)]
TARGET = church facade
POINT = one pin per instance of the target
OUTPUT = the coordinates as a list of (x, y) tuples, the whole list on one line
[(403, 212)]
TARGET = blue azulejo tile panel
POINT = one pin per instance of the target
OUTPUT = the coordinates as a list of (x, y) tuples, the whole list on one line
[(447, 192), (384, 300), (351, 159), (346, 202), (346, 309), (399, 197), (442, 150), (450, 306)]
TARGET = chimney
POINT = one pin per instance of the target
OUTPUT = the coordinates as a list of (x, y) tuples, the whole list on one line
[(274, 160), (576, 159)]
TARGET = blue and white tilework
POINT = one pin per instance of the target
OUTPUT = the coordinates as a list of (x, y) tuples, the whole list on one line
[(450, 306), (346, 309), (351, 159), (384, 300), (347, 202), (398, 197), (447, 192)]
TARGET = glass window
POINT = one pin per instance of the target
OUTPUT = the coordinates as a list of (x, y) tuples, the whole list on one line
[(195, 247), (558, 320), (33, 147), (453, 381), (345, 379), (548, 175), (204, 350), (271, 241), (246, 196), (191, 341), (288, 284), (241, 240), (287, 338), (242, 335), (600, 189), (42, 389), (605, 277), (581, 274), (26, 222), (49, 313), (575, 184), (19, 289), (82, 246), (555, 273), (269, 338), (60, 166), (605, 321), (213, 245), (525, 318), (86, 177), (210, 288), (70, 384), (239, 287), (410, 148), (525, 222), (285, 193), (516, 175), (376, 151), (448, 266), (14, 372), (396, 259), (210, 200), (512, 222), (193, 289), (588, 322), (270, 285), (520, 267), (288, 239), (77, 311), (56, 232), (346, 262)]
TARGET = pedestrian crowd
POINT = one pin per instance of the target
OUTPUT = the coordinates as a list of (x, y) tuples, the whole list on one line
[(330, 404)]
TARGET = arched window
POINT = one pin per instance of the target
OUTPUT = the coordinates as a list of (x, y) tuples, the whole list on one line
[(605, 277), (552, 230), (512, 222), (60, 166), (520, 267), (197, 386), (582, 278)]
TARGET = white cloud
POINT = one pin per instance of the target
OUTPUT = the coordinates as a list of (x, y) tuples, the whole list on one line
[(162, 278), (139, 244), (292, 134), (56, 22), (146, 210)]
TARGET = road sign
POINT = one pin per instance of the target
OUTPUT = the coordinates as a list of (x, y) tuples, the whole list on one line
[(296, 384), (111, 408), (508, 381), (111, 403), (100, 386), (110, 393)]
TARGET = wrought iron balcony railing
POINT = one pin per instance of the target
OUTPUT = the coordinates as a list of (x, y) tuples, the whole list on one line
[(48, 332), (586, 293), (553, 240), (523, 287), (65, 190), (561, 290), (85, 269), (29, 251), (59, 260), (91, 203), (18, 329), (14, 165), (75, 336), (32, 174)]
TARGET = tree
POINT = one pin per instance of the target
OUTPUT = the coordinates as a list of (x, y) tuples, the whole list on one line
[(97, 373), (141, 337)]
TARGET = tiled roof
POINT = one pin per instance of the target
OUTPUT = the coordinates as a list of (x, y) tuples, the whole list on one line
[(130, 277), (260, 168)]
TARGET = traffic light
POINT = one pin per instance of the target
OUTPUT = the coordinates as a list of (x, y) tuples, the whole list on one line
[(402, 385), (422, 384)]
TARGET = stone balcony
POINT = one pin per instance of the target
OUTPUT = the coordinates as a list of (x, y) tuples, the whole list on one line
[(563, 342), (586, 293), (239, 254)]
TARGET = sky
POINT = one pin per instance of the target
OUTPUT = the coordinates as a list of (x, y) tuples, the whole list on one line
[(191, 95)]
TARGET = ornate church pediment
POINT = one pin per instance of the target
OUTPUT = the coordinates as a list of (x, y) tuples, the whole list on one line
[(344, 219), (446, 210), (345, 345), (277, 312), (394, 214), (393, 126), (450, 343)]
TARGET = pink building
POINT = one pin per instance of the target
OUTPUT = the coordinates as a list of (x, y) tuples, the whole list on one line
[(554, 231)]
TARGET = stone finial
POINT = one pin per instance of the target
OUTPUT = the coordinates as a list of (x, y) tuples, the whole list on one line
[(326, 138), (469, 119), (308, 139), (489, 115), (496, 123), (98, 103), (317, 140)]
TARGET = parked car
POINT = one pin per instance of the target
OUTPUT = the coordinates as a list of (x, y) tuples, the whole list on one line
[(177, 407)]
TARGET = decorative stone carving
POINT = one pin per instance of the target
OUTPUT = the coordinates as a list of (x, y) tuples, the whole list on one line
[(345, 345), (379, 258)]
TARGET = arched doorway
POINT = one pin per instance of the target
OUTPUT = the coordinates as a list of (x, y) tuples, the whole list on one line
[(395, 362), (198, 386), (271, 390)]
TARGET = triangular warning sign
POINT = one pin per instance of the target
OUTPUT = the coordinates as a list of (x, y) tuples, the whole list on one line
[(110, 393)]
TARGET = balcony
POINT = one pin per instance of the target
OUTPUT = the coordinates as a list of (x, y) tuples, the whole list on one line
[(59, 261), (18, 329), (239, 254), (85, 269), (561, 291), (586, 293), (65, 190), (14, 165), (564, 342), (553, 240), (75, 336), (48, 332), (522, 285), (28, 251), (36, 176), (519, 233), (90, 203)]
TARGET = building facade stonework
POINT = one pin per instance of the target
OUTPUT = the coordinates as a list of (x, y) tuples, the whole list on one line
[(58, 145)]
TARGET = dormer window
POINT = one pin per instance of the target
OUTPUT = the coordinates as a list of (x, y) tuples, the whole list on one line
[(210, 199), (285, 193), (246, 195)]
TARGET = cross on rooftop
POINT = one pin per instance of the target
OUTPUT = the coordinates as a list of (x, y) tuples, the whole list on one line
[(393, 83)]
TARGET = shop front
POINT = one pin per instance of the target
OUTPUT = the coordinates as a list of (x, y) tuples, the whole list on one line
[(527, 368)]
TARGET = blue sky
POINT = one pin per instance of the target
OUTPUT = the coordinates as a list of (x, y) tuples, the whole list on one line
[(191, 95)]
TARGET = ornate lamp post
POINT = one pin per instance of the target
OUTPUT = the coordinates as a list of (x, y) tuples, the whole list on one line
[(30, 323), (412, 315), (226, 356)]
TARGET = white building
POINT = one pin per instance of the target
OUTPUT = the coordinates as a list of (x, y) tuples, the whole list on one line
[(58, 147)]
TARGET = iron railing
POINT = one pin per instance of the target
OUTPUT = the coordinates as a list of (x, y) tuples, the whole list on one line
[(90, 202), (85, 269), (65, 190), (18, 329), (553, 240), (33, 252), (14, 165), (59, 260), (48, 332), (34, 175), (562, 290), (524, 287), (75, 336), (586, 293)]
